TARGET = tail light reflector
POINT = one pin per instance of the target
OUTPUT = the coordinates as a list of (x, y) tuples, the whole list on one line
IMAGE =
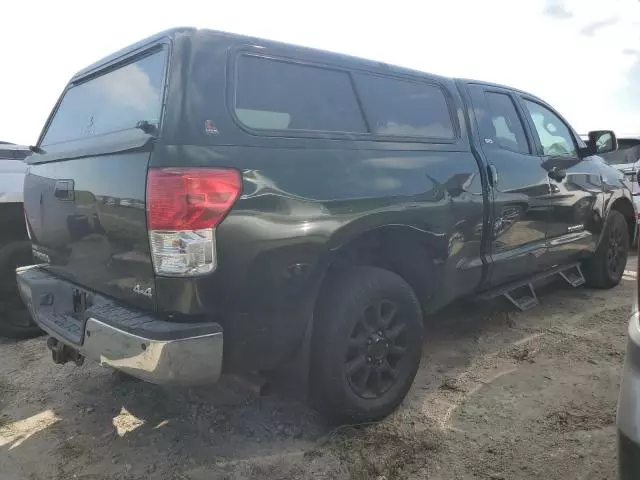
[(184, 206)]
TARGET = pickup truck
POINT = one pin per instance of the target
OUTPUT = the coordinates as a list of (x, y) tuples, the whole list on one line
[(15, 248), (203, 203)]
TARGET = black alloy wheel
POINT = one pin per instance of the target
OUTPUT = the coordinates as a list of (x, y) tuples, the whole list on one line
[(366, 345), (606, 267), (617, 251), (377, 345)]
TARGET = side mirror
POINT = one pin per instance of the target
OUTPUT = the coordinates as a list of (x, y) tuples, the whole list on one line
[(602, 141)]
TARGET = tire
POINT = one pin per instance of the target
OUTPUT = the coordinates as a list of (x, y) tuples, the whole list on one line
[(606, 267), (15, 320), (348, 352)]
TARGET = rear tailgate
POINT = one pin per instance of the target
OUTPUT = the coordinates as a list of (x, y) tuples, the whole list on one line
[(84, 196)]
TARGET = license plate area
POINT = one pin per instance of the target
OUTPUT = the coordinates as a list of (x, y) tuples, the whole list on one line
[(81, 300), (57, 306)]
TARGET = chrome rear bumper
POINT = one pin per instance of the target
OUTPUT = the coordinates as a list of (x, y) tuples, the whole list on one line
[(154, 350), (184, 361)]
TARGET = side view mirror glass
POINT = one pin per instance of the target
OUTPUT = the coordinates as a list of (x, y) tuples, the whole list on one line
[(603, 141)]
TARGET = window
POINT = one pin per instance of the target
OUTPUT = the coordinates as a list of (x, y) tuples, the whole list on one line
[(399, 107), (278, 95), (117, 100), (554, 135), (604, 143), (509, 132)]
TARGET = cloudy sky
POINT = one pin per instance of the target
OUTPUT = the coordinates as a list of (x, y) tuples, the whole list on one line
[(583, 56)]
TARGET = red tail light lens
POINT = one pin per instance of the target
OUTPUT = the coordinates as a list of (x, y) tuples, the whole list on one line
[(190, 198), (184, 207)]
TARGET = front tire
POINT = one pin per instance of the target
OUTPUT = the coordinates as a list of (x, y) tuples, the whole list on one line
[(606, 267), (15, 320), (367, 344)]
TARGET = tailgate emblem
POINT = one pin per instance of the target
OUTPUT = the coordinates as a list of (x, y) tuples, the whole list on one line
[(138, 290), (64, 190)]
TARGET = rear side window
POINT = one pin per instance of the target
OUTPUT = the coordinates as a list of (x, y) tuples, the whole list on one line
[(405, 108), (278, 95), (117, 100), (507, 126)]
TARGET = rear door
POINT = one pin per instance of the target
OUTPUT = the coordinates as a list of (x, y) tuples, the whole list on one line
[(520, 185), (85, 195)]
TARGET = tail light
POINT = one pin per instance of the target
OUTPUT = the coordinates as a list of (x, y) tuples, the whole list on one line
[(184, 207)]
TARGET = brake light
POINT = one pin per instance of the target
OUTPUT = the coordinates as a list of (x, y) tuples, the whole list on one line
[(184, 206)]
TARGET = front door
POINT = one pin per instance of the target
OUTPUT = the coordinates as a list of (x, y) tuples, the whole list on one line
[(520, 185), (576, 184)]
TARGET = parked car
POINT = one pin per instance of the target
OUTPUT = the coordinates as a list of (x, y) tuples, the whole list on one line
[(15, 248), (628, 417), (626, 158), (300, 208)]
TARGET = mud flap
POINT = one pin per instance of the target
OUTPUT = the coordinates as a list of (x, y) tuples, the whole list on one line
[(291, 377)]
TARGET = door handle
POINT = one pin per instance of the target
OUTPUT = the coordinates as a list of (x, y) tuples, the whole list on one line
[(557, 174), (493, 174), (64, 190)]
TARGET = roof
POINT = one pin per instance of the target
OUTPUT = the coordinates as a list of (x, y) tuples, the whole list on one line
[(12, 146), (336, 57), (496, 85), (10, 151), (124, 51)]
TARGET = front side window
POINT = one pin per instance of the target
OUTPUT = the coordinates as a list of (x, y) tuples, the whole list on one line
[(117, 100), (508, 129), (404, 108), (554, 135), (278, 95)]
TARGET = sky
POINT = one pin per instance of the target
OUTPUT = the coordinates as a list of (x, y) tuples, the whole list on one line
[(581, 56)]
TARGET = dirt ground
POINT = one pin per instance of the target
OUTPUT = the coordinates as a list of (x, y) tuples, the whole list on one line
[(501, 395)]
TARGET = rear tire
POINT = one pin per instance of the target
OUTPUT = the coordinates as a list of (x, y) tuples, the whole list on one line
[(606, 267), (15, 320), (367, 344)]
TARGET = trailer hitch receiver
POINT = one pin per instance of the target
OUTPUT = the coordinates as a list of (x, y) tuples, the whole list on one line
[(61, 353)]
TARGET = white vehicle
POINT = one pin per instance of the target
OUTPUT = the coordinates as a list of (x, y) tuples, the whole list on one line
[(15, 247), (627, 159)]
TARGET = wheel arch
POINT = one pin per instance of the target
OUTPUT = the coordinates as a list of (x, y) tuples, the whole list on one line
[(624, 206), (403, 250)]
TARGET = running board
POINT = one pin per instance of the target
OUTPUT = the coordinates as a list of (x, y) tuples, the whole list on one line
[(573, 275), (522, 293)]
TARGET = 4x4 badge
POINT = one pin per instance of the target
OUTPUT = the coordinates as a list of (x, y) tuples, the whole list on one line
[(142, 291)]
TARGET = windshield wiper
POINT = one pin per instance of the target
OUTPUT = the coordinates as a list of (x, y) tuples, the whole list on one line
[(147, 127)]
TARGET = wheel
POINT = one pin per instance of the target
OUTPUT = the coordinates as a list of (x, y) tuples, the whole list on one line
[(605, 268), (367, 344), (15, 321)]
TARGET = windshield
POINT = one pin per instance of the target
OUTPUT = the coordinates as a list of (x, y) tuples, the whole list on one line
[(124, 98)]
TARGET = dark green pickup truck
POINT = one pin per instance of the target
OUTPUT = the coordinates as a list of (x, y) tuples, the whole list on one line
[(202, 203)]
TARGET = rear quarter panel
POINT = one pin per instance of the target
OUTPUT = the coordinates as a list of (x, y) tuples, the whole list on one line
[(305, 197)]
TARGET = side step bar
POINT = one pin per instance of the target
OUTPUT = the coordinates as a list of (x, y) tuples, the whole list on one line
[(573, 275), (522, 294)]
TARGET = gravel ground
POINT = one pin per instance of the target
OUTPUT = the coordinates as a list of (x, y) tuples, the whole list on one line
[(500, 395)]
